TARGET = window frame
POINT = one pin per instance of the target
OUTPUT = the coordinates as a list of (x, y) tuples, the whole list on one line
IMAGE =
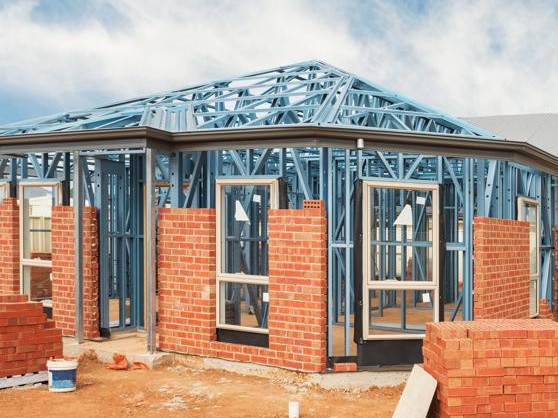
[(523, 202), (381, 285), (4, 191), (241, 278), (25, 261)]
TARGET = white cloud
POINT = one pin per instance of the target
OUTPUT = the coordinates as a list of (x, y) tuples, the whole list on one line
[(466, 58), (475, 57)]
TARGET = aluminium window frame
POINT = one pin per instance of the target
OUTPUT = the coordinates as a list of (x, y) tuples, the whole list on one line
[(522, 202), (29, 262), (368, 285), (222, 277), (5, 190)]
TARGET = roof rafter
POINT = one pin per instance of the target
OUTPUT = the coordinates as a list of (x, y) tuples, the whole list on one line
[(306, 93)]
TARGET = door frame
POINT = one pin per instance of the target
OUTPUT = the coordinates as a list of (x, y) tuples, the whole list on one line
[(124, 243)]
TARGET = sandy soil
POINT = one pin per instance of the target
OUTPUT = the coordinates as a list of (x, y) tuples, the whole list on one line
[(180, 391)]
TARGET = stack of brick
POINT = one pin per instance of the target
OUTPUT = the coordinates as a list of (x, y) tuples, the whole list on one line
[(493, 368), (27, 338)]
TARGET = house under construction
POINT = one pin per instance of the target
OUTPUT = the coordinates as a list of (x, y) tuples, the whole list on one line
[(297, 217)]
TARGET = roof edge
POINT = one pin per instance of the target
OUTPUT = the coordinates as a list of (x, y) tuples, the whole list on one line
[(283, 136)]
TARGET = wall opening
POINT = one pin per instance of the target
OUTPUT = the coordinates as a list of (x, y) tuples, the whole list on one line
[(36, 202)]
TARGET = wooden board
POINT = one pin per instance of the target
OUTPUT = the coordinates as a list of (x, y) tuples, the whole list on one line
[(417, 395), (26, 379)]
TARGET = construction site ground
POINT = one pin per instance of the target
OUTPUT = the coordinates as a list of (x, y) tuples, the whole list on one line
[(184, 391)]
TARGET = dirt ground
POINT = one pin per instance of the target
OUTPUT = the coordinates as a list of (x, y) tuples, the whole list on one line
[(181, 391)]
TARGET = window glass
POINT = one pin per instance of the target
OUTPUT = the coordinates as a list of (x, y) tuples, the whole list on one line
[(528, 210), (244, 304), (393, 312), (36, 252), (245, 229), (400, 253), (242, 271), (401, 235), (37, 212)]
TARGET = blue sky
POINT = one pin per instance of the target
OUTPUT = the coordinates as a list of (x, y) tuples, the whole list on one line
[(466, 58)]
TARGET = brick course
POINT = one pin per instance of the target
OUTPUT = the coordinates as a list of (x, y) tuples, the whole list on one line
[(545, 312), (555, 275), (27, 338), (9, 246), (501, 269), (493, 368), (63, 271), (297, 288)]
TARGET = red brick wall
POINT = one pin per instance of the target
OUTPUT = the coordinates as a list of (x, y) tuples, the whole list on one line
[(186, 276), (555, 274), (9, 246), (545, 312), (63, 271), (493, 368), (27, 338), (501, 269), (297, 288)]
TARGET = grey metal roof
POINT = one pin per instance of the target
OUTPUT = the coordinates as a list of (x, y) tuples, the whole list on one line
[(539, 130)]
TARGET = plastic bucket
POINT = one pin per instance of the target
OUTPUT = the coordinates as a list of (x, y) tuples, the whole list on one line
[(62, 375)]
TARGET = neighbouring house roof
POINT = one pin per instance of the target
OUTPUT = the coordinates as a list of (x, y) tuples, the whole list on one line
[(539, 130)]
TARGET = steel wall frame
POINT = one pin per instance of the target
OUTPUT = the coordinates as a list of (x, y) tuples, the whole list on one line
[(477, 187)]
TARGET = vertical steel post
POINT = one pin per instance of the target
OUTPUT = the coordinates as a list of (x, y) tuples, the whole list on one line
[(348, 243), (78, 245), (468, 213), (176, 170), (150, 250), (326, 195)]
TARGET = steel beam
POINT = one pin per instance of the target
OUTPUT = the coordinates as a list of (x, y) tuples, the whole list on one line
[(78, 245), (150, 249)]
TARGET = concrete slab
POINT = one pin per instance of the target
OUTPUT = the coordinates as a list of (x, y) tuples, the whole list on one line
[(360, 379), (417, 395), (132, 345)]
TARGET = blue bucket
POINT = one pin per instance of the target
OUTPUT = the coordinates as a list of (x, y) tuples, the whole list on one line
[(62, 375)]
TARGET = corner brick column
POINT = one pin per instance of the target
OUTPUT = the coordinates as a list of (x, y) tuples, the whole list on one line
[(9, 246), (501, 270), (297, 288), (63, 271)]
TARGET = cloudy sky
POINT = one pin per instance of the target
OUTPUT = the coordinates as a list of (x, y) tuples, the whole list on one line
[(464, 57)]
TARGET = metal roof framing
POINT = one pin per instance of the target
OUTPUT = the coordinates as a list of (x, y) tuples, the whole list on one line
[(310, 92)]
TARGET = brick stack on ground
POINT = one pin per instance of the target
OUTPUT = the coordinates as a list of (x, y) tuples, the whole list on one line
[(27, 338), (493, 368)]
